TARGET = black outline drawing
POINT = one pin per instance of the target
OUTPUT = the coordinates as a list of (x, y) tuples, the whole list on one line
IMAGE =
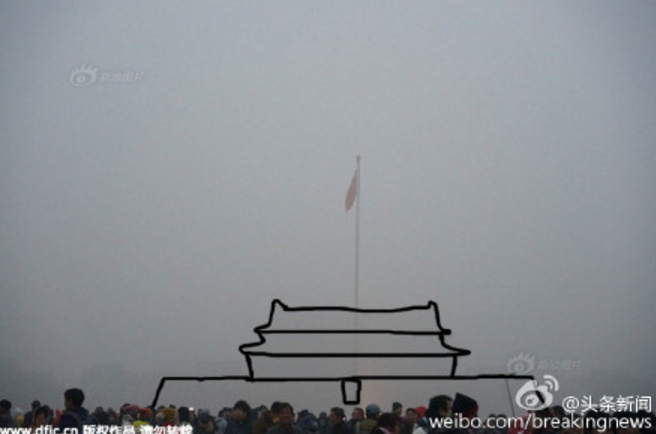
[(251, 350)]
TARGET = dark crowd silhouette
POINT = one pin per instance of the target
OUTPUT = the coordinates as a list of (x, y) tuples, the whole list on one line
[(281, 418)]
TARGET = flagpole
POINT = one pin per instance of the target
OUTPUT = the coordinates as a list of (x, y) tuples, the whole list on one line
[(357, 266), (357, 239), (353, 198)]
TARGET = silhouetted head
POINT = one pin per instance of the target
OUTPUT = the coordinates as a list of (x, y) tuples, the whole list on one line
[(464, 405), (5, 406), (411, 416), (336, 416), (357, 414), (439, 406), (241, 410), (73, 399), (286, 414), (390, 421), (373, 411)]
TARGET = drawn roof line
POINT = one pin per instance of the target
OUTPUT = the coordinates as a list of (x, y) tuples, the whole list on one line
[(462, 351), (354, 331), (471, 377), (430, 305), (249, 349), (246, 349), (362, 355)]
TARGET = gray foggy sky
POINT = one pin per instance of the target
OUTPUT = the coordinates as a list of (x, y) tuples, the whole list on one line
[(508, 154)]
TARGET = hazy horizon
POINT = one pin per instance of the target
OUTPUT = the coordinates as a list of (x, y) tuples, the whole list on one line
[(169, 169)]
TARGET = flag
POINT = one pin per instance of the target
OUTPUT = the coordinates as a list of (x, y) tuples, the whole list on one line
[(352, 192)]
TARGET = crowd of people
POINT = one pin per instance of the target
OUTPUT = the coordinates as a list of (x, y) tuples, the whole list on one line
[(280, 418)]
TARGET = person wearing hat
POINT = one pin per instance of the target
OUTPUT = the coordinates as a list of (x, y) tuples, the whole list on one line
[(367, 426)]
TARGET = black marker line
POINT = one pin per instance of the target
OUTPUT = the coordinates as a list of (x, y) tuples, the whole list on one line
[(248, 351)]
